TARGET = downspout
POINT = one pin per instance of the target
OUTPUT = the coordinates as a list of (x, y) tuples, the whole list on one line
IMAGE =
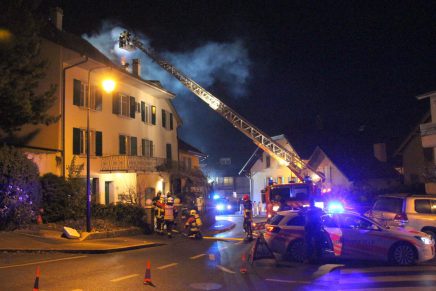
[(63, 110)]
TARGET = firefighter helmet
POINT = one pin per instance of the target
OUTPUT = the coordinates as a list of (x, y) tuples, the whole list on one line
[(245, 197), (170, 200), (192, 212)]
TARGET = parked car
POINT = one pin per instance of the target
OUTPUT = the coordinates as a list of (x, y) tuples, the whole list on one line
[(224, 206), (410, 211), (349, 235)]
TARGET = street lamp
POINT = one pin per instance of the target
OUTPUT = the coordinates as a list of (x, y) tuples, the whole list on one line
[(108, 86)]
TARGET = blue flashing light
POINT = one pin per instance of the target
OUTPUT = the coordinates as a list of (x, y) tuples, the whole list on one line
[(335, 207), (220, 207), (216, 196)]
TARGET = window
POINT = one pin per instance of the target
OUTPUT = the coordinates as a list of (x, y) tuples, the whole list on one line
[(145, 112), (296, 221), (169, 152), (79, 142), (80, 95), (425, 206), (171, 121), (164, 119), (275, 220), (388, 204), (128, 145), (268, 161), (228, 181), (354, 222), (147, 148), (279, 180), (329, 221), (153, 115), (124, 105)]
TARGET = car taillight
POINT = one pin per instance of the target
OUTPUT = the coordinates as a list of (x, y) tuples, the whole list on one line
[(273, 229), (401, 217)]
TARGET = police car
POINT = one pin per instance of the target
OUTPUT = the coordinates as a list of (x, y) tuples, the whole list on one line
[(349, 235)]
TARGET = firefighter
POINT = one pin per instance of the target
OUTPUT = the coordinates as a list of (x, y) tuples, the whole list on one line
[(193, 225), (159, 205), (313, 233), (170, 213), (248, 217)]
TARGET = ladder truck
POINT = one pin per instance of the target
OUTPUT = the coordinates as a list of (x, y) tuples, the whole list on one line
[(276, 197)]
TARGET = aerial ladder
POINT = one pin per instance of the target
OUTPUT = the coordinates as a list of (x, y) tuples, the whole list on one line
[(284, 156)]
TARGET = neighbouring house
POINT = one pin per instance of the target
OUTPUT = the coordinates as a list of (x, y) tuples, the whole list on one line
[(416, 161), (262, 168), (133, 130), (225, 180), (428, 141), (343, 168)]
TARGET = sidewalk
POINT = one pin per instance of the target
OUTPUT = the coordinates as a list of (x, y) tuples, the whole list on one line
[(51, 241)]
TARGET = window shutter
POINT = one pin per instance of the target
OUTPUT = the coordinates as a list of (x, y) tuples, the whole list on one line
[(153, 115), (151, 148), (98, 143), (116, 100), (132, 107), (76, 141), (98, 99), (122, 145), (143, 111), (76, 92), (133, 146), (164, 119), (171, 121), (143, 147)]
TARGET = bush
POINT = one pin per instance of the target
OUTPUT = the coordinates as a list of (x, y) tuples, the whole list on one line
[(19, 188), (120, 214), (57, 199)]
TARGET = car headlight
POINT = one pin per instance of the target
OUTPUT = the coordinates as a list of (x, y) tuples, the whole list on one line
[(229, 207), (220, 207), (424, 240), (276, 208)]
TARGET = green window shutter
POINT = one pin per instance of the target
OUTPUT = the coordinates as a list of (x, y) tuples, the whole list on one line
[(143, 147), (116, 100), (76, 141), (132, 107), (143, 111), (171, 121), (76, 92), (153, 115), (133, 146), (122, 145), (98, 143), (164, 119)]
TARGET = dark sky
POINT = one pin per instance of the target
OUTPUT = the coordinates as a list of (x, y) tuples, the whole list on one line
[(317, 69)]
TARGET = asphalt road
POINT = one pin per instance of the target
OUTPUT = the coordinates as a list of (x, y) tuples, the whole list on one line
[(210, 264)]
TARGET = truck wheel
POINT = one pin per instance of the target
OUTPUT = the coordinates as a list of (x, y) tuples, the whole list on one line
[(296, 251), (403, 254)]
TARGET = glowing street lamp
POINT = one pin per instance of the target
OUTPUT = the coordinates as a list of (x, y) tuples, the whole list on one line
[(108, 86)]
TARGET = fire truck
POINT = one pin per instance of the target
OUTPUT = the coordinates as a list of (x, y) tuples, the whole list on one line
[(287, 195)]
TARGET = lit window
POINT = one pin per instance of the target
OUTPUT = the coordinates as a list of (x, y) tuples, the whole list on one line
[(128, 145), (147, 148), (228, 181)]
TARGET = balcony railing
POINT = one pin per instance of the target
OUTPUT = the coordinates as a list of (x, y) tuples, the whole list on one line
[(130, 163), (428, 128)]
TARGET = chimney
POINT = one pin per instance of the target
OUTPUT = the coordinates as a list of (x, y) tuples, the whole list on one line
[(56, 17), (136, 67), (380, 152)]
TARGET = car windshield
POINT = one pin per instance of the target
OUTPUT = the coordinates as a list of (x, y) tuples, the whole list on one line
[(389, 204), (275, 220)]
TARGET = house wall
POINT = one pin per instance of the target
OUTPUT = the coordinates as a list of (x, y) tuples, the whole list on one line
[(334, 178), (413, 161)]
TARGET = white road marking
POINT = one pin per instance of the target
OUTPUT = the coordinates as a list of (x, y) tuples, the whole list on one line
[(197, 256), (222, 268), (288, 281), (43, 262), (167, 266), (124, 278)]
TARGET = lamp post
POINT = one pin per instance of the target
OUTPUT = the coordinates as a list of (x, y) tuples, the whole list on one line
[(108, 86)]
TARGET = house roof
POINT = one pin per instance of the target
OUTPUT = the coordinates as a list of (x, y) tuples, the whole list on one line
[(416, 131), (356, 162), (184, 146), (84, 48)]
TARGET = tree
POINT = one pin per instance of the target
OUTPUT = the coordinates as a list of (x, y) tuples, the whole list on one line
[(21, 68)]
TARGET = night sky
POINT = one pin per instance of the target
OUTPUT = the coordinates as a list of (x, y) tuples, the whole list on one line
[(313, 70)]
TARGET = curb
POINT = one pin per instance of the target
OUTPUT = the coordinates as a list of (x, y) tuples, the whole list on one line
[(98, 251)]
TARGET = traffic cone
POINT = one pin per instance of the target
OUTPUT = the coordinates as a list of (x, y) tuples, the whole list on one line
[(36, 284), (243, 268), (147, 276)]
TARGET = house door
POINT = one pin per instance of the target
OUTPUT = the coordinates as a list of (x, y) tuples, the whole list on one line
[(107, 187)]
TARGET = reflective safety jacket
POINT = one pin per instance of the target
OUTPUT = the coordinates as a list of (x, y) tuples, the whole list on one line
[(248, 212), (192, 223), (169, 212)]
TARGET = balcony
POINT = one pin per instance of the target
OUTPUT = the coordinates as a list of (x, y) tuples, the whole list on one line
[(130, 163), (428, 135)]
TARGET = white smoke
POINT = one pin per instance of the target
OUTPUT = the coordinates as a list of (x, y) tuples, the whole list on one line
[(209, 64)]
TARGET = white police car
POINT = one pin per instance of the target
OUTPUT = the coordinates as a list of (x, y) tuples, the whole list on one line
[(350, 236)]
